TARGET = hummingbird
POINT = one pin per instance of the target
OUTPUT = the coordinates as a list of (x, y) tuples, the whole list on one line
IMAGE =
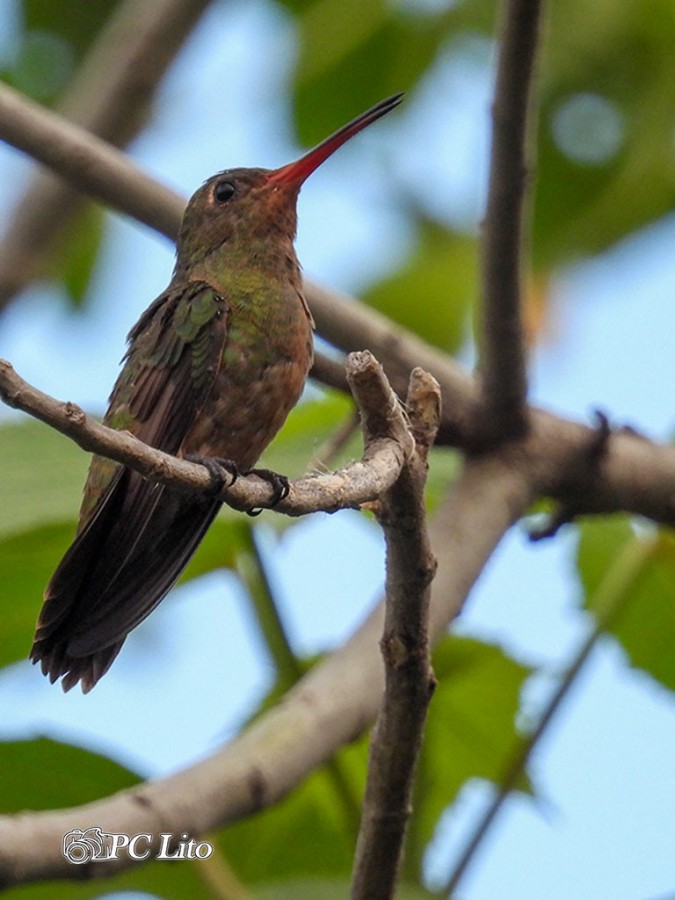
[(212, 369)]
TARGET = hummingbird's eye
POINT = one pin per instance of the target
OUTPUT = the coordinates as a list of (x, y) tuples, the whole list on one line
[(223, 191)]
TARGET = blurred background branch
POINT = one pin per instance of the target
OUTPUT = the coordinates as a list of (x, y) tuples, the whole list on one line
[(110, 97)]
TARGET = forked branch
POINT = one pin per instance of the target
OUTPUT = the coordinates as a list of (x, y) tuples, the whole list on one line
[(405, 645)]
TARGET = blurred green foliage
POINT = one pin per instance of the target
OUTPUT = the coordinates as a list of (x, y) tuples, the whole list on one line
[(604, 168), (634, 574)]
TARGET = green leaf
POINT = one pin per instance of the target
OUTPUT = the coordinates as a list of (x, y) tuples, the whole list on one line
[(628, 580), (53, 39), (45, 774), (221, 545), (332, 30), (444, 466), (78, 23), (259, 848), (356, 54), (470, 730), (322, 814), (74, 259), (601, 540), (433, 292), (328, 889), (624, 59), (27, 561), (42, 476), (305, 430), (43, 66)]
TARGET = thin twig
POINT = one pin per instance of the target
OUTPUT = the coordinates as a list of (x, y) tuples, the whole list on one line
[(109, 96), (357, 483), (335, 443), (612, 594), (502, 362), (409, 680), (253, 572)]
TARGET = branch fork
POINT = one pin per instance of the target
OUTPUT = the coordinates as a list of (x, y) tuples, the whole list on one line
[(405, 647)]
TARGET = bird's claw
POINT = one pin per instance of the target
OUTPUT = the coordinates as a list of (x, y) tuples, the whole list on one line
[(218, 468), (279, 484)]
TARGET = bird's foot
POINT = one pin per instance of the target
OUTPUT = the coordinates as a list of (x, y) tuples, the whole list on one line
[(278, 483), (218, 468)]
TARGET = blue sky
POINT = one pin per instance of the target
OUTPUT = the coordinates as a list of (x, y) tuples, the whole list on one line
[(603, 825)]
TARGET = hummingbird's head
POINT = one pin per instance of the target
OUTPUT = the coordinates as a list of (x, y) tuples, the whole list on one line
[(234, 212), (241, 211)]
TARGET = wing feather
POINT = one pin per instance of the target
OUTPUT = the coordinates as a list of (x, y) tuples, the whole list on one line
[(135, 537)]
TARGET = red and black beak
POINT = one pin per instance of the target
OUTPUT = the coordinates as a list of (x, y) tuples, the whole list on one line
[(296, 172)]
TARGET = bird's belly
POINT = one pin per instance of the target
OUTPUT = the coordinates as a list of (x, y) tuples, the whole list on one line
[(246, 409)]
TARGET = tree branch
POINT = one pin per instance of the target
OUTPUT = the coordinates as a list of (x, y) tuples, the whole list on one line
[(409, 680), (109, 96), (635, 474), (502, 361), (331, 706), (386, 446), (93, 166), (611, 596)]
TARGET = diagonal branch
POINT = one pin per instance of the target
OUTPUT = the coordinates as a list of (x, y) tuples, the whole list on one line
[(635, 474), (387, 445), (502, 361), (88, 162), (612, 595), (409, 680), (332, 705), (109, 96)]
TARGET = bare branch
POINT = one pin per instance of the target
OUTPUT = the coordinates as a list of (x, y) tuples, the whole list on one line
[(109, 96), (409, 680), (332, 705), (89, 163), (352, 326), (358, 483), (381, 411), (502, 362), (330, 372), (635, 474)]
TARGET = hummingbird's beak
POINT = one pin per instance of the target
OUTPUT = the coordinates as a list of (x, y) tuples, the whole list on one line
[(296, 172)]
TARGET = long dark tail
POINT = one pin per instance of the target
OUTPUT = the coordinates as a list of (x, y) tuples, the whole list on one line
[(117, 570)]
